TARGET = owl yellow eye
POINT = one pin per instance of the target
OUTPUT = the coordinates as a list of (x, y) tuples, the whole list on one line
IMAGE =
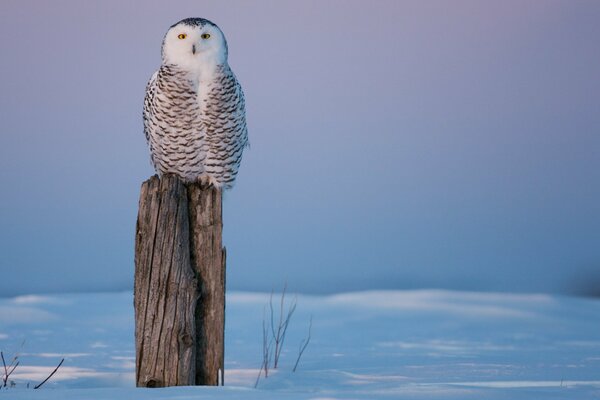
[(205, 36), (182, 36)]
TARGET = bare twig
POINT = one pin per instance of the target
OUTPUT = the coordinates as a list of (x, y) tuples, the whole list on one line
[(282, 325), (303, 345), (267, 346), (271, 309), (259, 374), (266, 349), (5, 378), (8, 370), (50, 376), (12, 370), (263, 367)]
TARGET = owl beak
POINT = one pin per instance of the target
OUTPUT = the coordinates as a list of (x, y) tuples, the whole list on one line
[(193, 49)]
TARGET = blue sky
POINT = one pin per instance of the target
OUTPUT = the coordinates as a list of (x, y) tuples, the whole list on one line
[(394, 144)]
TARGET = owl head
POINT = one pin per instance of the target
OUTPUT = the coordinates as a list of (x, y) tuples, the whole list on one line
[(193, 43)]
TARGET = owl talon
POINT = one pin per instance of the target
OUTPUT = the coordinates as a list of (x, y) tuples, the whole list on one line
[(204, 182)]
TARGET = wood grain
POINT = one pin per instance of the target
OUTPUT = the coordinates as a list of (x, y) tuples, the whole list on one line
[(179, 290)]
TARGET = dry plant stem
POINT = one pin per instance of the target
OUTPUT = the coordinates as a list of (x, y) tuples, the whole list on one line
[(262, 367), (266, 351), (266, 348), (259, 373), (8, 370), (11, 368), (50, 376), (11, 371), (5, 378), (303, 345), (279, 336)]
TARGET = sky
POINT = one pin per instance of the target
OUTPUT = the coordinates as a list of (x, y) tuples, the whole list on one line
[(394, 144)]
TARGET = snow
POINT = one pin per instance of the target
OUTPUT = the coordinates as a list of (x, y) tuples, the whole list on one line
[(425, 344)]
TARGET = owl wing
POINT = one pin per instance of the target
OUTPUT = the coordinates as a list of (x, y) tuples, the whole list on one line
[(148, 116), (225, 124), (235, 125)]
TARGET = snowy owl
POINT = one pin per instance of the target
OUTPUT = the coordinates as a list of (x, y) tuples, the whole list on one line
[(194, 111)]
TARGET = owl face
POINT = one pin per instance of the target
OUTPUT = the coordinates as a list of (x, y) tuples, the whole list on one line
[(193, 43)]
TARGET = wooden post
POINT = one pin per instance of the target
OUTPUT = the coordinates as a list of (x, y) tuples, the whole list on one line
[(179, 293)]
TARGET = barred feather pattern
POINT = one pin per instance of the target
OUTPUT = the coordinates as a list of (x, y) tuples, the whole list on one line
[(196, 130)]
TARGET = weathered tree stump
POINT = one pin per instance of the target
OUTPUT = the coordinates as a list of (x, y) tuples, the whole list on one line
[(179, 293)]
